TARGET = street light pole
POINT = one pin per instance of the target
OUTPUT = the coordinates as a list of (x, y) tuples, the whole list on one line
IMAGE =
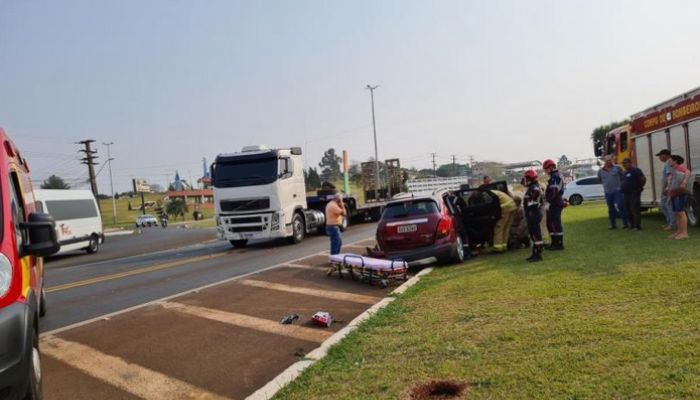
[(376, 153), (111, 185)]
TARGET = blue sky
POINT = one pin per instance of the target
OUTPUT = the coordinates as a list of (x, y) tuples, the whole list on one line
[(170, 82)]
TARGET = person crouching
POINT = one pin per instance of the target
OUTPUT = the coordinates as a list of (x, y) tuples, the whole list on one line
[(532, 203)]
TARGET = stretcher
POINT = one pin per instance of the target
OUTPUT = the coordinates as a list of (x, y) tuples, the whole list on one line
[(368, 269)]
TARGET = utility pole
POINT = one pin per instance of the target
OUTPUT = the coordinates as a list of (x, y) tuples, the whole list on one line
[(89, 160), (111, 185), (376, 153), (434, 165)]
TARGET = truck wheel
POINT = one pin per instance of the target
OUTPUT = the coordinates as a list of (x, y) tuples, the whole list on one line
[(575, 199), (34, 387), (238, 243), (297, 229), (375, 214), (42, 302)]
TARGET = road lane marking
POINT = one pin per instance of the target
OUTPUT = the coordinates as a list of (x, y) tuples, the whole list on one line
[(302, 266), (131, 378), (328, 294), (246, 321), (176, 295), (132, 272)]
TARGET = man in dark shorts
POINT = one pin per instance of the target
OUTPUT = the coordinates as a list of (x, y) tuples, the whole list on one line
[(633, 181)]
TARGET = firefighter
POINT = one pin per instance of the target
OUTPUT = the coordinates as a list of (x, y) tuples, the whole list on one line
[(554, 194), (501, 231), (532, 203)]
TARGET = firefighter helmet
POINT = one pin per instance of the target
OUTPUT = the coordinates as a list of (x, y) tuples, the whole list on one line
[(530, 175), (547, 164)]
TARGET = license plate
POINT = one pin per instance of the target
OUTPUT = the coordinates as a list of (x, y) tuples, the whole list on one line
[(407, 228)]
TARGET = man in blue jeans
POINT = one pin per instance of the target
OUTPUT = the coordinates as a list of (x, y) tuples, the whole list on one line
[(665, 202), (335, 213), (611, 177)]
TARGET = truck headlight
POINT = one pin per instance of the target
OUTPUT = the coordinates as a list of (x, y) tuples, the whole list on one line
[(275, 223), (5, 275)]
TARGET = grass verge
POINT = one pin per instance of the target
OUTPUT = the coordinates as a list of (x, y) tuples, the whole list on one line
[(615, 316)]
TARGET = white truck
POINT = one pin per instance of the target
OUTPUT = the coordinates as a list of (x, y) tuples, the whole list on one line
[(259, 193)]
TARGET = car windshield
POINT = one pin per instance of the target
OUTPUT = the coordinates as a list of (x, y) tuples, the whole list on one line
[(248, 172), (410, 208)]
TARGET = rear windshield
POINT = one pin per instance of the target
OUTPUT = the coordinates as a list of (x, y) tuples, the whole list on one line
[(62, 210), (410, 208)]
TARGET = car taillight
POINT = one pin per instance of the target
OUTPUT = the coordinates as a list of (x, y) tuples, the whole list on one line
[(444, 227), (5, 275)]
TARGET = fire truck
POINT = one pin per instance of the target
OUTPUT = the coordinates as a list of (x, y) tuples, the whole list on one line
[(674, 125)]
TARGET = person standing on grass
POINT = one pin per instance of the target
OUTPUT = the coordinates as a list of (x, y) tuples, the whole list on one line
[(554, 194), (501, 231), (532, 203), (610, 176), (678, 193), (665, 202), (335, 212), (633, 182)]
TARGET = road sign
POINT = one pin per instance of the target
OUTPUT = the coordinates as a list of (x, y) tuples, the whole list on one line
[(141, 186)]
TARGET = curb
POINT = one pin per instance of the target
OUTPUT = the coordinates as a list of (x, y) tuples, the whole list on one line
[(290, 374)]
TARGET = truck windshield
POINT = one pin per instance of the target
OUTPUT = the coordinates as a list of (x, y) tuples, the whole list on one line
[(250, 172)]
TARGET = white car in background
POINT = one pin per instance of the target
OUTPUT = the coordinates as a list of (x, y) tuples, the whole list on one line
[(588, 188), (145, 220)]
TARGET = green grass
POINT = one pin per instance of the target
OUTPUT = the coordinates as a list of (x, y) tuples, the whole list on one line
[(614, 316), (127, 219)]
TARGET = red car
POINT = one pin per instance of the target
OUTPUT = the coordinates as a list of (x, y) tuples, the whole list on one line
[(422, 230)]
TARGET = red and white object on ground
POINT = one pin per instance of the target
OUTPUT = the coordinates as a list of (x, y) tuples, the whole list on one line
[(322, 318)]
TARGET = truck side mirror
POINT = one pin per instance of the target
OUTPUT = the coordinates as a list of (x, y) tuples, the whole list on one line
[(40, 231)]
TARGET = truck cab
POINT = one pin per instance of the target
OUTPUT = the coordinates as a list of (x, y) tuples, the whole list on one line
[(25, 237), (259, 193)]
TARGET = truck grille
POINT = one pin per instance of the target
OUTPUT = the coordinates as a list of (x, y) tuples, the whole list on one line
[(245, 220), (237, 229), (245, 205)]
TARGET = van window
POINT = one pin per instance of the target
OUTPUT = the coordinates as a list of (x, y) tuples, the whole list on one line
[(410, 208), (62, 210), (17, 209)]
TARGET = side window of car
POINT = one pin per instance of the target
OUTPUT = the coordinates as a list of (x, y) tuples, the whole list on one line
[(17, 209)]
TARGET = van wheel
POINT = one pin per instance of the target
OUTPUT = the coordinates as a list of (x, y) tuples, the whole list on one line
[(93, 246), (297, 229), (34, 387), (42, 302), (575, 199), (238, 243)]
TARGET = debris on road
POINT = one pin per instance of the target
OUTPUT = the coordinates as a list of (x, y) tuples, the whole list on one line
[(323, 318), (289, 319)]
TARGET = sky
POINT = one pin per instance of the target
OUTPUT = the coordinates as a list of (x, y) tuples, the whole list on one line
[(170, 82)]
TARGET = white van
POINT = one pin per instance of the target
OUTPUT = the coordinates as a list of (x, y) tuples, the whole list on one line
[(78, 219)]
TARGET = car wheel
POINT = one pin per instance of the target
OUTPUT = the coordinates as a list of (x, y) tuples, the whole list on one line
[(344, 225), (42, 302), (93, 246), (34, 388), (458, 257), (575, 199), (238, 243), (297, 229)]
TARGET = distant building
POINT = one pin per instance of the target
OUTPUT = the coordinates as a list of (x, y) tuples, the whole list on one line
[(203, 198)]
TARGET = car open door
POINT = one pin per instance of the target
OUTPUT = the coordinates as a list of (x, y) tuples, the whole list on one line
[(480, 211)]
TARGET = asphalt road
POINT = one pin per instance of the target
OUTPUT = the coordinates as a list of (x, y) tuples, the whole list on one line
[(148, 241), (133, 270)]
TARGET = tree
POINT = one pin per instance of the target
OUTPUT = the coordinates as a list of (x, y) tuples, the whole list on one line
[(599, 133), (176, 207), (563, 161), (449, 170), (331, 166), (54, 182), (313, 181)]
